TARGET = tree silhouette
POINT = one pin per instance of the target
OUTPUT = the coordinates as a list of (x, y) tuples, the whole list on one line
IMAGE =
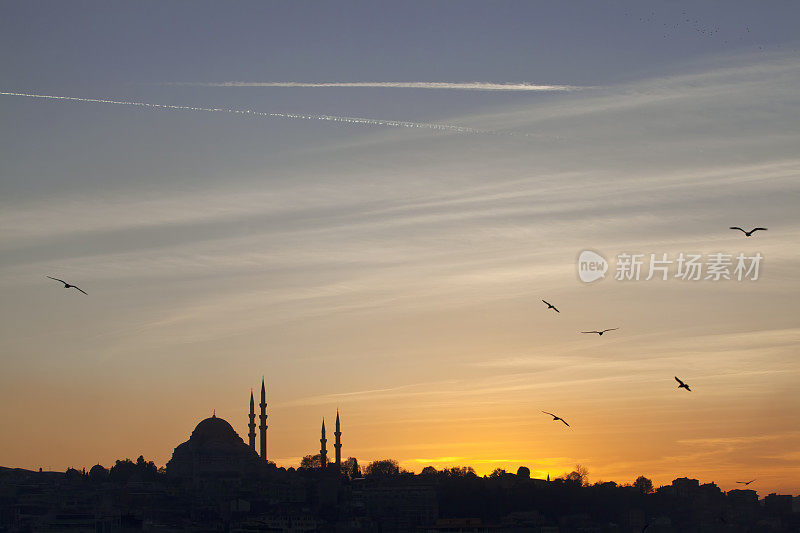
[(125, 470), (311, 461), (458, 471), (383, 468), (350, 468), (122, 470), (644, 485), (428, 471), (579, 476)]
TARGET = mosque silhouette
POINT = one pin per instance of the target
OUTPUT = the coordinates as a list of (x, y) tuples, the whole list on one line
[(215, 451)]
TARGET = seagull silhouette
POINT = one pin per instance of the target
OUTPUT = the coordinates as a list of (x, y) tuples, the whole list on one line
[(600, 332), (682, 385), (67, 285), (556, 418), (748, 233), (551, 306), (746, 482)]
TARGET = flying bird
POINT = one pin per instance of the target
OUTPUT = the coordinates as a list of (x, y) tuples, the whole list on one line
[(556, 418), (748, 233), (746, 482), (67, 285), (551, 306), (682, 385), (600, 332)]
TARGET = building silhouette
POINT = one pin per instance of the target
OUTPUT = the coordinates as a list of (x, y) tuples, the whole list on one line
[(323, 450), (213, 451), (338, 445), (262, 428), (252, 424)]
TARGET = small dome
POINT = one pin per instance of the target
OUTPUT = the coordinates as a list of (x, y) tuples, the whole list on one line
[(98, 472)]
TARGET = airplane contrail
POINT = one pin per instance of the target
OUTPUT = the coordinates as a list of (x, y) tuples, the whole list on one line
[(465, 86), (250, 112)]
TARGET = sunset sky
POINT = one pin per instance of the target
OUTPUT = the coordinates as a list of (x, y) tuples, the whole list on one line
[(396, 273)]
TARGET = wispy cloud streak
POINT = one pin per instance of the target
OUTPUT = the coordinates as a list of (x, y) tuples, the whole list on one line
[(458, 86), (251, 112)]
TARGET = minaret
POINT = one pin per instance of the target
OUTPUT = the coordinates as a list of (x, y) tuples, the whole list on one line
[(262, 428), (323, 452), (338, 445), (252, 424)]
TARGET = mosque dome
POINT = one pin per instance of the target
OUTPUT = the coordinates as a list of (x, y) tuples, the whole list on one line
[(214, 431), (214, 449)]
